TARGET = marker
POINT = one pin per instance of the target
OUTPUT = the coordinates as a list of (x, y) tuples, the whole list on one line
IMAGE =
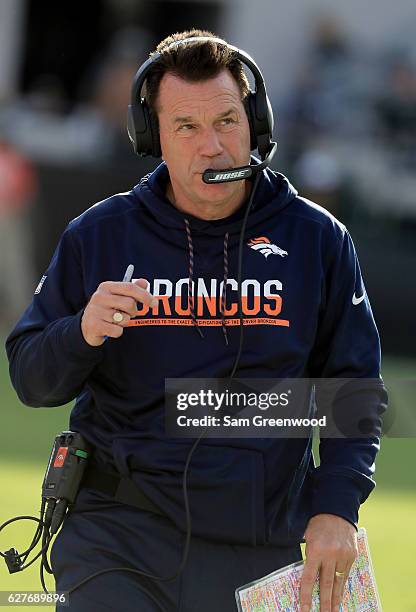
[(128, 275)]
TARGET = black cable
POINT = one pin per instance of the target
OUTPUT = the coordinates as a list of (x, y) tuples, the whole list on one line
[(240, 272), (46, 539), (46, 521), (38, 533), (42, 578), (45, 545), (41, 528), (42, 565), (122, 569), (21, 518), (42, 550), (35, 540)]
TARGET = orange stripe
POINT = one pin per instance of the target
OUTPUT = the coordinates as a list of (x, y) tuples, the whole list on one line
[(208, 322)]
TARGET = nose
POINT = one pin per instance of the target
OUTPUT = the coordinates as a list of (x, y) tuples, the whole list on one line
[(210, 144)]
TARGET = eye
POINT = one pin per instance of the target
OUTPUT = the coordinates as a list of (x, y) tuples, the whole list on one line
[(227, 121), (185, 127)]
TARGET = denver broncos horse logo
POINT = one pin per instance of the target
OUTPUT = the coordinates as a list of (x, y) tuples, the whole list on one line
[(265, 247)]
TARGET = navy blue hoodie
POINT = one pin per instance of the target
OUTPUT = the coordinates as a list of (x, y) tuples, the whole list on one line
[(300, 272)]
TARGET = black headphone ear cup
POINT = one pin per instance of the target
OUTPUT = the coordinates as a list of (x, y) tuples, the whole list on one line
[(249, 104), (154, 129), (143, 130), (264, 115), (131, 127), (260, 116), (145, 138), (270, 117)]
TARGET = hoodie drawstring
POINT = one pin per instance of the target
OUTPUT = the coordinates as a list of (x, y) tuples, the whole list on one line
[(224, 289), (190, 278), (190, 283)]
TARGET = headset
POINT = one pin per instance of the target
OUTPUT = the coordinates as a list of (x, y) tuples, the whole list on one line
[(143, 130)]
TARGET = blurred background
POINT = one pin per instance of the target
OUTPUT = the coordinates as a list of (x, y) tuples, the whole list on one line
[(342, 82)]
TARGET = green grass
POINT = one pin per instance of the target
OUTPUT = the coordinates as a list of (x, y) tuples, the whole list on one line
[(23, 484), (389, 518), (26, 437)]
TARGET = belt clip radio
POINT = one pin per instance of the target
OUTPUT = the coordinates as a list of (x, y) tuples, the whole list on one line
[(64, 473), (62, 480)]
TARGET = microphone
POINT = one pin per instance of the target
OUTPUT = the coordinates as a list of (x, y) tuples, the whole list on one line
[(238, 174)]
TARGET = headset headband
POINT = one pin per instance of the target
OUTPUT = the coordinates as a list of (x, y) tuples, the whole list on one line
[(143, 128), (244, 57)]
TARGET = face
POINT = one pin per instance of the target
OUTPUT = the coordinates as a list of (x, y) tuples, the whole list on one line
[(203, 125)]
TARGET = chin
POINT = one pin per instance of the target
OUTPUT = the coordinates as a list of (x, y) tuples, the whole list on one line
[(217, 191)]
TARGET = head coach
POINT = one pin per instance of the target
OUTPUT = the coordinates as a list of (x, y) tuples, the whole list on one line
[(219, 243)]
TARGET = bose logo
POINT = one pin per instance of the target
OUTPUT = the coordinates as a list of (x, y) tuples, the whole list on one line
[(229, 175)]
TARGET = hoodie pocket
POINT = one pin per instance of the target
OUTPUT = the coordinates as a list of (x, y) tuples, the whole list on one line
[(227, 495), (225, 488)]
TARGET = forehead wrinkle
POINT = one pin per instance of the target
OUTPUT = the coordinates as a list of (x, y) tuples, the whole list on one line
[(189, 108), (223, 115)]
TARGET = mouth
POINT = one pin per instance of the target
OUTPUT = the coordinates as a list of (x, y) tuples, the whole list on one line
[(217, 167)]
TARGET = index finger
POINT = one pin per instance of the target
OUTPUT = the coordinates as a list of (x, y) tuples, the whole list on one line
[(131, 290), (310, 572)]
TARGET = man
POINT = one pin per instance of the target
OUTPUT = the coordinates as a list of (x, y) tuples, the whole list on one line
[(111, 345)]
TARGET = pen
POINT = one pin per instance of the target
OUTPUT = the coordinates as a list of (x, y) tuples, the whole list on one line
[(128, 275)]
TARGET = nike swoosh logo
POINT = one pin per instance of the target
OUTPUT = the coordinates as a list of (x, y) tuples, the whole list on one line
[(356, 300)]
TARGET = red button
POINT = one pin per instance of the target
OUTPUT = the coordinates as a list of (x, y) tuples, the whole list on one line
[(60, 457)]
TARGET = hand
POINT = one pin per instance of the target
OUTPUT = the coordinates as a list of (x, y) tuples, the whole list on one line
[(331, 545), (97, 320)]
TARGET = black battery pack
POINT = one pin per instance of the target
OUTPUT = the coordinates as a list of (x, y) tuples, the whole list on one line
[(66, 467)]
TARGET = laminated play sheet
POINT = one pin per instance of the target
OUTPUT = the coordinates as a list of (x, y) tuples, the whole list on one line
[(280, 590)]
